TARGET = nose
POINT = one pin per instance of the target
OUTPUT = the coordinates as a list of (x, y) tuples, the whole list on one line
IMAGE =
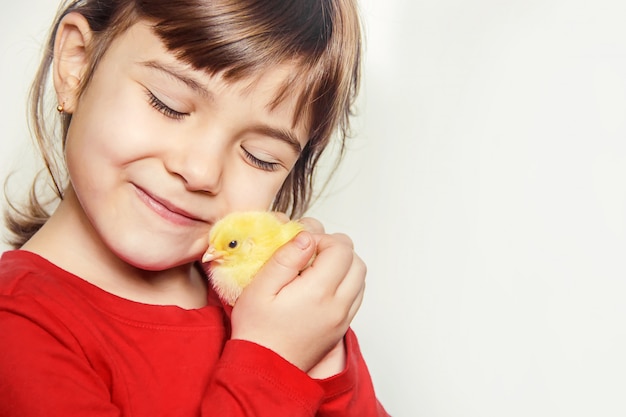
[(199, 163)]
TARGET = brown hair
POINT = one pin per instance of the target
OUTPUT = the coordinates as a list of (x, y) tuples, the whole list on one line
[(236, 38)]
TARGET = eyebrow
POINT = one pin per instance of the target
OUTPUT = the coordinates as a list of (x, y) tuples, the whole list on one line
[(175, 73), (280, 134)]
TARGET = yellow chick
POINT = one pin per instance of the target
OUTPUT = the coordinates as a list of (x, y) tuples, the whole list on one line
[(240, 244)]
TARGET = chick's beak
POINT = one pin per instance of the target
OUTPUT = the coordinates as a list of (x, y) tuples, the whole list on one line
[(212, 255)]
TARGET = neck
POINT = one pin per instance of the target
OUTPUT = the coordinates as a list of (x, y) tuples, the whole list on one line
[(69, 241)]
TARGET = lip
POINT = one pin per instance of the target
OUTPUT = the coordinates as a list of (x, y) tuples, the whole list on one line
[(166, 209)]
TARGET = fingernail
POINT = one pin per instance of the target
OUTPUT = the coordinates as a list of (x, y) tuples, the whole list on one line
[(303, 240)]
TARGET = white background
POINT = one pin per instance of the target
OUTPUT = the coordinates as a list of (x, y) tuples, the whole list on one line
[(485, 188)]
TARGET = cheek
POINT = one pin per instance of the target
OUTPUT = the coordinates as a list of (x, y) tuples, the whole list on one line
[(251, 190), (115, 133)]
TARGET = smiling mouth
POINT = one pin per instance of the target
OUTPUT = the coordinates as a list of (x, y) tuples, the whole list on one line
[(165, 209)]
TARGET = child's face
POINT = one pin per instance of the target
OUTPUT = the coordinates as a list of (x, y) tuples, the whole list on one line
[(157, 151)]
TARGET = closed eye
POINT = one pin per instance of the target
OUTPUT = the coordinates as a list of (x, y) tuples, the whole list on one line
[(259, 163), (164, 108)]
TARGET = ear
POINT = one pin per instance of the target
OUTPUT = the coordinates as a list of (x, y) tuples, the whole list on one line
[(70, 58)]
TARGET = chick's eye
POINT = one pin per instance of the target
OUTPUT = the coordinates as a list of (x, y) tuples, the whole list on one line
[(232, 244)]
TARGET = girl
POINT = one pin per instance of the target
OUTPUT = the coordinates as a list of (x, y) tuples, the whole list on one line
[(172, 115)]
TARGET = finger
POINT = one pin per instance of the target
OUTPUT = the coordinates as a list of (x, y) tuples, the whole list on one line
[(351, 293), (334, 257), (312, 225), (285, 264), (356, 304), (352, 286), (326, 241)]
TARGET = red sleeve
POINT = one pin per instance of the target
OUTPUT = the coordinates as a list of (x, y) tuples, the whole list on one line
[(251, 380), (351, 392), (274, 387), (285, 389)]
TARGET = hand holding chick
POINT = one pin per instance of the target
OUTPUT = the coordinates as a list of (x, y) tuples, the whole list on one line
[(300, 312), (240, 244), (297, 311)]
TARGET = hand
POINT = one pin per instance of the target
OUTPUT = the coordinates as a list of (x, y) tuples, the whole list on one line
[(303, 316)]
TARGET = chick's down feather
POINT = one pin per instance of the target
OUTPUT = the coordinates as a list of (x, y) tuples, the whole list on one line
[(239, 245)]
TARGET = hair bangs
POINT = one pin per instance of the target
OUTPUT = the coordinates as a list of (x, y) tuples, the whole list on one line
[(238, 38)]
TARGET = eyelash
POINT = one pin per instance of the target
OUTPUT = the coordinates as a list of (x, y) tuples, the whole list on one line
[(164, 108), (264, 165)]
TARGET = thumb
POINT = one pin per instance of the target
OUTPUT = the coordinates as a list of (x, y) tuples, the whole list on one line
[(285, 264)]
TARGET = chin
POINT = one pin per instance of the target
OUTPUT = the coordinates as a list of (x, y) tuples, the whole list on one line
[(149, 258)]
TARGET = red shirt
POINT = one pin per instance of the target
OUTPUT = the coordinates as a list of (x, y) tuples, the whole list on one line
[(69, 348)]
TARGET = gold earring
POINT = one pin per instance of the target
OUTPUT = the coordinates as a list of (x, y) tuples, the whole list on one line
[(61, 107)]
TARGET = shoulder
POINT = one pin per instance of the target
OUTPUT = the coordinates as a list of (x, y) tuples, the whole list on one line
[(35, 309), (20, 268), (30, 286), (36, 294), (24, 273)]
